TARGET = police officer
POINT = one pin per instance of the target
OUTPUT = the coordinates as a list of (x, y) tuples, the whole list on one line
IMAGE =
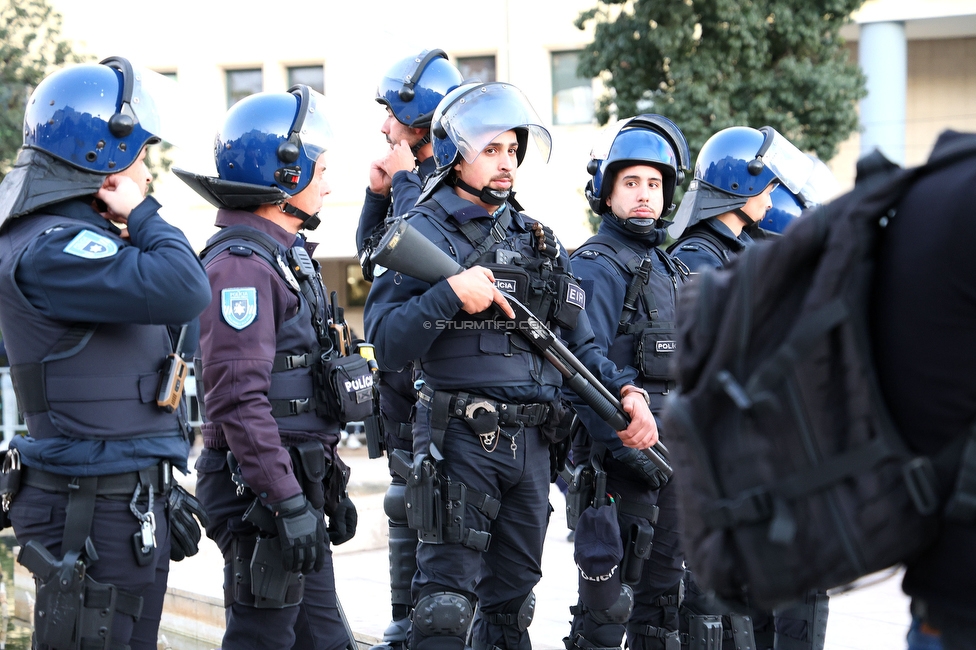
[(737, 172), (409, 91), (269, 467), (925, 267), (94, 286), (487, 397), (631, 288)]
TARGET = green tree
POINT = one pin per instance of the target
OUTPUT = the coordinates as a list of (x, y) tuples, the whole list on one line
[(711, 64), (30, 48)]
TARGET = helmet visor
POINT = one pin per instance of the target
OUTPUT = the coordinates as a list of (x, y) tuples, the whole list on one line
[(791, 166), (315, 132), (160, 107), (476, 118), (820, 187)]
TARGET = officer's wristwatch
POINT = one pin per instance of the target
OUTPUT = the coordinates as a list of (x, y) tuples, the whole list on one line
[(630, 388)]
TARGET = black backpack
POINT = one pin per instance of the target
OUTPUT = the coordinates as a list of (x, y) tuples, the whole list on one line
[(791, 474)]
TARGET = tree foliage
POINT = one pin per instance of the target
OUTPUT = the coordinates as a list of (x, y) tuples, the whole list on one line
[(711, 64), (30, 48)]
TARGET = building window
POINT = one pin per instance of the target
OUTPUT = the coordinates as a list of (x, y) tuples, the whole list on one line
[(572, 95), (356, 287), (241, 83), (312, 76), (477, 68)]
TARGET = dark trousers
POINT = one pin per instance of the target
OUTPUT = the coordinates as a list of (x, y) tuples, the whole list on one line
[(512, 565), (40, 515), (314, 624)]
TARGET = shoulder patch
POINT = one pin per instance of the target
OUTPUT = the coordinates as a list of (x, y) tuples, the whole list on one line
[(91, 246), (239, 306), (689, 247), (589, 255)]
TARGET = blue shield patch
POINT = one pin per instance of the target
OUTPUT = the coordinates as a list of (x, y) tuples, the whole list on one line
[(239, 307), (91, 246)]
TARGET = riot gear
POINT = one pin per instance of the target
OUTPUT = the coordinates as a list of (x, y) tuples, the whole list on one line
[(266, 152), (734, 165), (413, 87), (787, 206), (470, 117), (642, 140)]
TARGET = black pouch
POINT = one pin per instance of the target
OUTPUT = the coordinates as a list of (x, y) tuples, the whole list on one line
[(350, 388), (336, 479), (572, 300), (637, 548), (655, 350), (579, 494), (513, 280), (559, 430), (311, 467)]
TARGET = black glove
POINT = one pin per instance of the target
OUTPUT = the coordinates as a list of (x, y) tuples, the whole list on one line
[(184, 531), (301, 529), (342, 525), (641, 467)]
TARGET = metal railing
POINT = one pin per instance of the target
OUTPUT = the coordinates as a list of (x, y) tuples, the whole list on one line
[(13, 424)]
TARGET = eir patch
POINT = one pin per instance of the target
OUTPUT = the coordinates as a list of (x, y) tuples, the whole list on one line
[(239, 307)]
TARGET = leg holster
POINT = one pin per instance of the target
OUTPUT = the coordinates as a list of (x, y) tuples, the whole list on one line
[(435, 507), (255, 576), (72, 611)]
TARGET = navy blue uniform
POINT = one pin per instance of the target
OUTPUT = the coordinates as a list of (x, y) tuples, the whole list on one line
[(255, 318), (926, 268), (411, 320), (606, 285), (709, 244), (96, 311)]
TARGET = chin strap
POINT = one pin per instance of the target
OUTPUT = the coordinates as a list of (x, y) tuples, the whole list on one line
[(745, 218), (420, 144), (309, 221), (486, 194)]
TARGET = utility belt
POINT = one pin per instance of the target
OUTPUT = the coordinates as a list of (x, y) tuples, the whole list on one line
[(482, 414), (159, 476), (323, 481), (436, 504)]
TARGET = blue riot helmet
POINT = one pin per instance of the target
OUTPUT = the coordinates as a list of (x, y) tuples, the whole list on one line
[(642, 140), (787, 206), (266, 152), (97, 117), (413, 87), (469, 118), (734, 165), (84, 122)]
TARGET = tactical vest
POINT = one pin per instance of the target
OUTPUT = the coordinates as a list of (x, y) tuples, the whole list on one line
[(299, 340), (471, 351), (95, 381), (645, 337)]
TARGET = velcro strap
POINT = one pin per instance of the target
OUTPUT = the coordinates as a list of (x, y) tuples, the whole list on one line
[(488, 505), (130, 604), (654, 632), (401, 430), (28, 381)]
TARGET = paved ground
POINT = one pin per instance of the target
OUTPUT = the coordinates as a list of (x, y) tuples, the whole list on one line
[(873, 616)]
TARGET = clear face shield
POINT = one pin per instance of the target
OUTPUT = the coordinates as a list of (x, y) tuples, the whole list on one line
[(314, 132), (791, 166), (475, 119), (159, 105), (820, 187)]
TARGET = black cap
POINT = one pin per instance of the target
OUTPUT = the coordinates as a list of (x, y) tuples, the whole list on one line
[(599, 551)]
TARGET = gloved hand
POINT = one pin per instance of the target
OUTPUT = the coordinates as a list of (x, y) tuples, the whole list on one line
[(642, 468), (342, 525), (301, 529), (184, 531)]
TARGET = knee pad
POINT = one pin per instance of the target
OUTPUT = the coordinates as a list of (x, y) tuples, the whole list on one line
[(442, 613), (619, 612), (395, 505)]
